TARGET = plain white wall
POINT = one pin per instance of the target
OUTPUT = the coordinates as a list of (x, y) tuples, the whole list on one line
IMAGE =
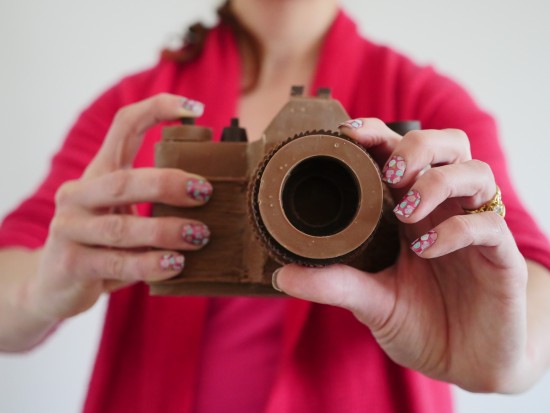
[(57, 55)]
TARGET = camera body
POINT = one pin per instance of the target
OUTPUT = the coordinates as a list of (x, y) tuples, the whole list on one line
[(300, 194)]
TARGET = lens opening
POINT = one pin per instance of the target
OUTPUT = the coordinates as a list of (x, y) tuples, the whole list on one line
[(320, 196)]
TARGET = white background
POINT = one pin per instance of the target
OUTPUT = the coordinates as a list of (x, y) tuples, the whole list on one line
[(56, 55)]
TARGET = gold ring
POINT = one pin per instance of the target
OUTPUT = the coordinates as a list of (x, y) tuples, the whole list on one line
[(495, 205)]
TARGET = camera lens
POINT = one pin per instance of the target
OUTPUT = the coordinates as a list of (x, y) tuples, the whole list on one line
[(320, 196), (316, 199)]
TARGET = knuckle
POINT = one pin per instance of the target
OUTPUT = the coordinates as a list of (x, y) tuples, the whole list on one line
[(125, 120), (436, 177), (114, 229), (463, 142), (156, 234), (160, 98), (497, 224), (117, 183), (158, 102), (464, 226), (123, 115), (113, 266), (68, 262), (373, 123), (414, 138), (376, 128), (461, 135), (57, 226), (480, 165), (163, 182), (158, 184), (482, 168), (485, 185), (64, 192), (140, 272)]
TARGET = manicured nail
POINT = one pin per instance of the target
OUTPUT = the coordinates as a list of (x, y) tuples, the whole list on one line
[(421, 244), (172, 262), (408, 204), (394, 170), (198, 189), (274, 280), (196, 234), (352, 124), (192, 106)]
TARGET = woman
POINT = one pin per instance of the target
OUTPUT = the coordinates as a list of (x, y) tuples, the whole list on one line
[(454, 309)]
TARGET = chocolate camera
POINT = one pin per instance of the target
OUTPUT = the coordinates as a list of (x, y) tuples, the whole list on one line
[(301, 194)]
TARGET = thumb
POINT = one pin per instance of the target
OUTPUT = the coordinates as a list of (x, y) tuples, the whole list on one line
[(131, 122), (371, 297)]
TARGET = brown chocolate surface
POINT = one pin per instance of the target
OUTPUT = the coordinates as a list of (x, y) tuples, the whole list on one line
[(328, 201)]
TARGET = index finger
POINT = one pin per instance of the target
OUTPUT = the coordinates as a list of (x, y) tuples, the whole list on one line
[(131, 122), (373, 134)]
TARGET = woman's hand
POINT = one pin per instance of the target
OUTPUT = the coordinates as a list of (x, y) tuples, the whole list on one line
[(96, 242), (454, 304)]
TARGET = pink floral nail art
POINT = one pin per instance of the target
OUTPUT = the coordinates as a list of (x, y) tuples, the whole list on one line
[(192, 105), (394, 170), (198, 189), (424, 242), (408, 204), (196, 234), (172, 262), (352, 124)]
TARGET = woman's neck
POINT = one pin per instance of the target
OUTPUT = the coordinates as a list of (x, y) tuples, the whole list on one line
[(289, 33)]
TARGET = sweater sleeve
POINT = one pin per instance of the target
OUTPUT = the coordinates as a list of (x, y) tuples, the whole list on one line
[(27, 226), (441, 103)]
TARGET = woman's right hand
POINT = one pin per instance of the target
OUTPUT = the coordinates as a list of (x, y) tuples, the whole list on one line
[(96, 242)]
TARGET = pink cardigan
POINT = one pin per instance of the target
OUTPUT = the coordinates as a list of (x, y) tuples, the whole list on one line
[(150, 352)]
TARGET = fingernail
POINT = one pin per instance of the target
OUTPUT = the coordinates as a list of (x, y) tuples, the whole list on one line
[(274, 280), (421, 244), (408, 204), (172, 262), (196, 234), (352, 124), (192, 106), (394, 170), (198, 189)]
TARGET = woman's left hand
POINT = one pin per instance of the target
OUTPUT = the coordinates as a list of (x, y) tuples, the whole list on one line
[(453, 306)]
